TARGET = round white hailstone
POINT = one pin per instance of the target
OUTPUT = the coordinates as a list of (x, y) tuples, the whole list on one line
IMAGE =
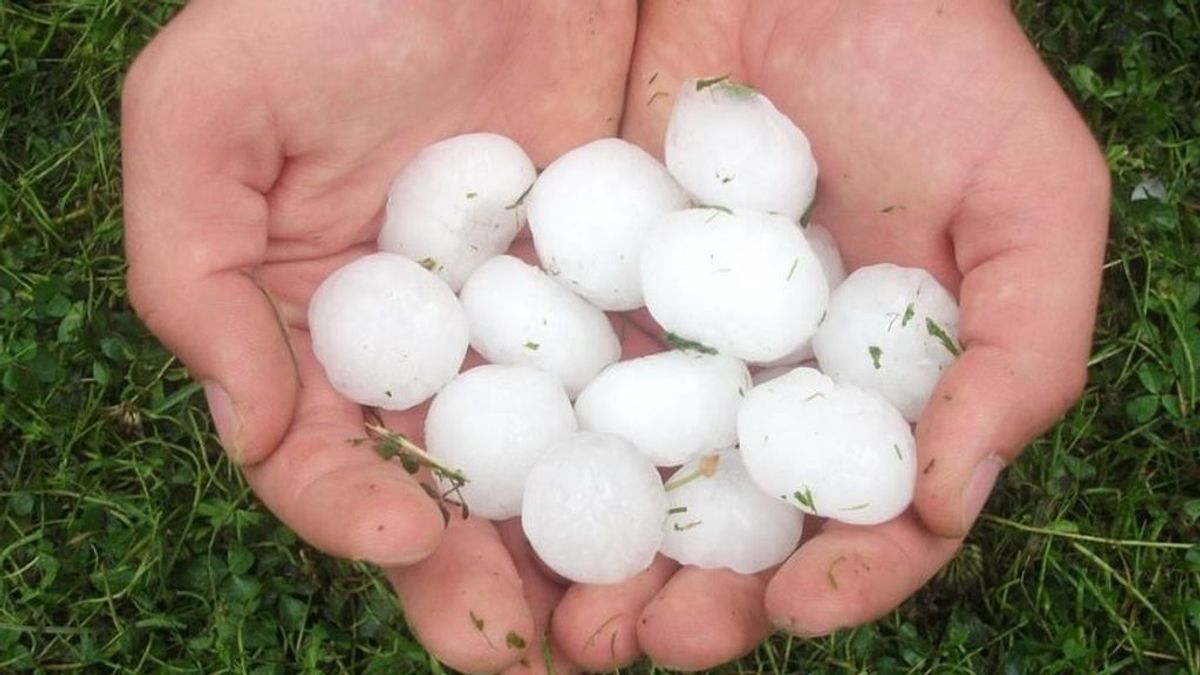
[(493, 423), (891, 329), (830, 450), (387, 331), (741, 282), (672, 406), (725, 520), (727, 145), (457, 203), (594, 509), (825, 248), (518, 314), (589, 212)]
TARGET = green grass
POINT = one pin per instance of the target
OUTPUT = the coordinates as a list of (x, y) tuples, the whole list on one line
[(128, 542)]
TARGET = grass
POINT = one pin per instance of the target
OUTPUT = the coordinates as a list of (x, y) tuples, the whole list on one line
[(128, 543)]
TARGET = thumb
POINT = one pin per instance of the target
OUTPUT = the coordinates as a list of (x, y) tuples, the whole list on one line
[(1030, 241), (198, 151)]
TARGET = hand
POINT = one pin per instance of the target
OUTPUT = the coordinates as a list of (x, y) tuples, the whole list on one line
[(943, 143), (259, 139)]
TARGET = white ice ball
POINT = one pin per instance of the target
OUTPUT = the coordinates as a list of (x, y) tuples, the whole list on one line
[(672, 406), (457, 203), (492, 423), (387, 331), (830, 450), (891, 329), (727, 145), (825, 248), (518, 314), (741, 282), (594, 508), (589, 212), (725, 520)]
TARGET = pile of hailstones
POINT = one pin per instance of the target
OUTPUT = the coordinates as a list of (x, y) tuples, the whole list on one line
[(713, 246)]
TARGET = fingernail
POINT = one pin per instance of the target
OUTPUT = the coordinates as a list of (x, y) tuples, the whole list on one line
[(977, 490), (220, 408), (788, 625)]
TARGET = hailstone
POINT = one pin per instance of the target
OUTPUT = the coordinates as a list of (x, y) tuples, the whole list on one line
[(594, 509), (387, 331), (727, 145), (492, 423), (718, 517), (517, 314), (828, 449), (825, 248), (458, 203), (743, 283), (891, 329), (589, 212), (672, 405)]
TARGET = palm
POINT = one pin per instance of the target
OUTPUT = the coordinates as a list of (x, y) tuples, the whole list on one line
[(942, 143), (269, 169)]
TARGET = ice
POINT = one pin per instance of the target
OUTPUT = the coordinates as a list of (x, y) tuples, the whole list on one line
[(890, 329), (387, 332), (589, 212), (518, 314), (743, 283), (457, 203), (492, 423), (672, 406), (728, 146), (725, 520), (594, 509), (830, 450)]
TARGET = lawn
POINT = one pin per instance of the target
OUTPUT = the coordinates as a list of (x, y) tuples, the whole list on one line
[(127, 542)]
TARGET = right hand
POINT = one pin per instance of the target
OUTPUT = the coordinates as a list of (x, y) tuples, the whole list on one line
[(259, 140)]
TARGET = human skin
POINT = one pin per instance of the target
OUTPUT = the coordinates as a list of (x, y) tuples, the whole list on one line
[(259, 138), (944, 143)]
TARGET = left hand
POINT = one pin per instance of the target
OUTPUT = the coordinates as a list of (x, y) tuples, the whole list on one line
[(943, 143)]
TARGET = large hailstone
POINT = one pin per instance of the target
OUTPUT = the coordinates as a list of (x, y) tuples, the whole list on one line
[(387, 331), (727, 145), (518, 314), (589, 212), (720, 518), (825, 248), (830, 450), (493, 423), (741, 282), (457, 203), (891, 329), (672, 406), (594, 509)]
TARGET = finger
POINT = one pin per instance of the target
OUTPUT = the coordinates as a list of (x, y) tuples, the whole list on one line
[(703, 618), (848, 575), (1029, 239), (338, 495), (465, 602), (542, 593), (597, 625), (198, 152)]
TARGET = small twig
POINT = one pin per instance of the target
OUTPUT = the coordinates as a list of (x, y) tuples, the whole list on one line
[(708, 467)]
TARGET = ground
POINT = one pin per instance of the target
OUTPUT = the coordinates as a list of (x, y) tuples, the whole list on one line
[(128, 543)]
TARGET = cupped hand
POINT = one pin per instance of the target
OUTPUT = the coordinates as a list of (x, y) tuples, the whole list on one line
[(259, 139), (944, 143)]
